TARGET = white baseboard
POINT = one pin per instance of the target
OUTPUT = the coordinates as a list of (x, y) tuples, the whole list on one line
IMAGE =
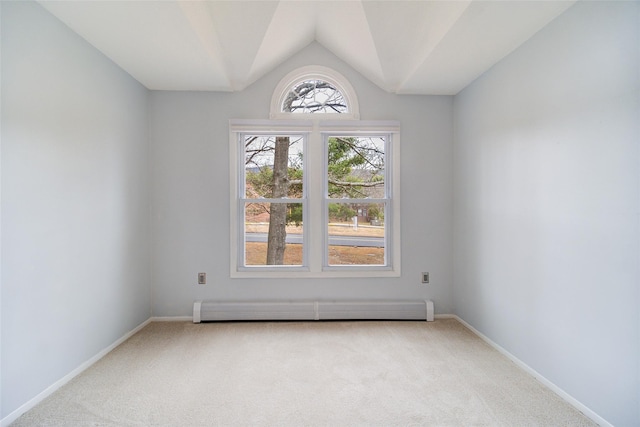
[(557, 390), (172, 319), (64, 380), (448, 316)]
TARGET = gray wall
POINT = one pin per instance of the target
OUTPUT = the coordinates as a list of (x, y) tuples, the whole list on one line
[(75, 210), (190, 197), (546, 206)]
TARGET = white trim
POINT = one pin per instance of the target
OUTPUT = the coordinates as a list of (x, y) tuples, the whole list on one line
[(314, 72), (71, 375), (313, 200), (447, 316), (270, 126), (557, 390), (172, 319), (360, 126)]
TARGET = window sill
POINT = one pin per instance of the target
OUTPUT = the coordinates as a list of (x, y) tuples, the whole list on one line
[(306, 274)]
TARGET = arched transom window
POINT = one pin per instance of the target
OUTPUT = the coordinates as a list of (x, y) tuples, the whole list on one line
[(314, 90), (314, 96)]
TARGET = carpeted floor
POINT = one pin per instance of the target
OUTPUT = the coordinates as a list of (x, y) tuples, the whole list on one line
[(304, 374)]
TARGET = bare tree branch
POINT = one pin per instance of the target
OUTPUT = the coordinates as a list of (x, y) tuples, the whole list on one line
[(302, 92), (357, 149)]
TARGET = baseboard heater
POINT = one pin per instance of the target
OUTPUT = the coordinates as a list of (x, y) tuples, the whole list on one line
[(206, 311)]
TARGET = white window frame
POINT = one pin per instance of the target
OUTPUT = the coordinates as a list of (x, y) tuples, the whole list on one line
[(315, 218), (387, 199), (243, 199)]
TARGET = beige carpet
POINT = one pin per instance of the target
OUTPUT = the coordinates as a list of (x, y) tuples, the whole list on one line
[(304, 374)]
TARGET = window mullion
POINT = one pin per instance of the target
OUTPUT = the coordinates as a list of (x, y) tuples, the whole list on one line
[(316, 205)]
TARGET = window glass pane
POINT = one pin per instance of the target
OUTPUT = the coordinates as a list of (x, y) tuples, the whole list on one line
[(273, 166), (314, 96), (273, 234), (356, 167), (356, 234)]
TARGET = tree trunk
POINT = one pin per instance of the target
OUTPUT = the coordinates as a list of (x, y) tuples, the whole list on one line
[(276, 241)]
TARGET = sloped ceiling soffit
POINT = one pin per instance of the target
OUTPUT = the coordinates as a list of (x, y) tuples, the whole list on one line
[(407, 47)]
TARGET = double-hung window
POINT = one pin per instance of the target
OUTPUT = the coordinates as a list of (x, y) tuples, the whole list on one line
[(273, 200), (357, 199), (314, 193)]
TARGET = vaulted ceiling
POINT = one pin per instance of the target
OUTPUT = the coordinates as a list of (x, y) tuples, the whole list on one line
[(409, 47)]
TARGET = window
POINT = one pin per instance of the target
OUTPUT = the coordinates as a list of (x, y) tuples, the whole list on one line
[(273, 200), (356, 199), (314, 96), (314, 192), (314, 89)]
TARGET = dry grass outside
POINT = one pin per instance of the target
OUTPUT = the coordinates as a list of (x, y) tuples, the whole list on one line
[(256, 254), (355, 255)]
